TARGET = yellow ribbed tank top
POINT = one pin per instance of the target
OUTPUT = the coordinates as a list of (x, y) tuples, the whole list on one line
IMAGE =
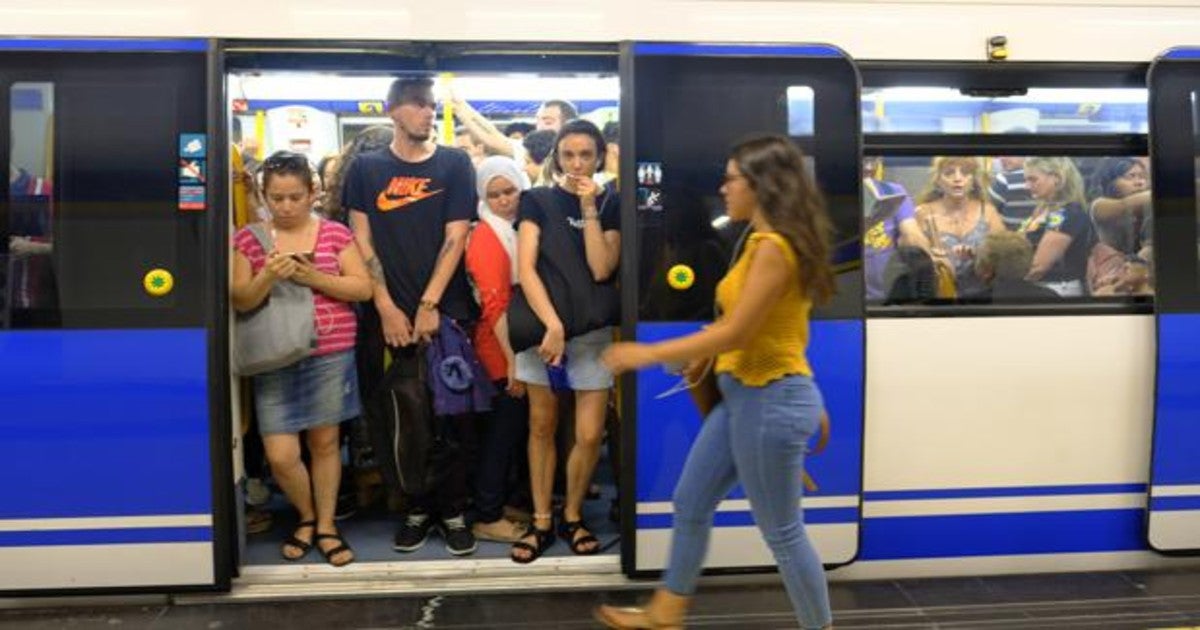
[(778, 349)]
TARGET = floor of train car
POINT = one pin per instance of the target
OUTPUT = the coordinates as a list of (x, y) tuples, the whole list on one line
[(1161, 600), (370, 533)]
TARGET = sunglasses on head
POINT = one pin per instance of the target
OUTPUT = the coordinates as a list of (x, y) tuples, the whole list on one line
[(285, 160)]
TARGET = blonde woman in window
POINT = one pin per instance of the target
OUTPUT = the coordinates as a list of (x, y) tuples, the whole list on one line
[(1059, 228), (956, 216)]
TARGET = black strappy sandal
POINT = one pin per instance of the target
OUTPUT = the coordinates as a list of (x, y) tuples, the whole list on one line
[(292, 541), (544, 538), (330, 553), (568, 531)]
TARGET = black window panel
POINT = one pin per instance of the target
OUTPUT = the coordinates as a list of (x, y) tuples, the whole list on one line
[(1173, 143), (688, 112), (114, 192)]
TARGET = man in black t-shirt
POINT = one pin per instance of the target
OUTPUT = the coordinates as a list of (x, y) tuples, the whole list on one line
[(410, 206)]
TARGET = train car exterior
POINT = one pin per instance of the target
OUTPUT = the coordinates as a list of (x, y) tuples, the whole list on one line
[(974, 442)]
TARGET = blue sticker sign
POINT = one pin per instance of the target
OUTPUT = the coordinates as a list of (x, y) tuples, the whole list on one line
[(191, 198), (193, 145)]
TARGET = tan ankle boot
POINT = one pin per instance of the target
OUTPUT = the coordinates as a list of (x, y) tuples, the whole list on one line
[(665, 611)]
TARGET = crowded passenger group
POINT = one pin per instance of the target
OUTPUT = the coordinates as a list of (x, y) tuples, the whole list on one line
[(1028, 229), (458, 302)]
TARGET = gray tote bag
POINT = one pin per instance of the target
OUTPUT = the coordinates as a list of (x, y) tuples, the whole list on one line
[(280, 331)]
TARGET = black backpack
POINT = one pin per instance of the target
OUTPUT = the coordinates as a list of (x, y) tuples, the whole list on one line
[(582, 304)]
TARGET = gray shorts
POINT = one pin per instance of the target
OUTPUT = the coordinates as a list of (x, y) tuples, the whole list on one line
[(584, 369)]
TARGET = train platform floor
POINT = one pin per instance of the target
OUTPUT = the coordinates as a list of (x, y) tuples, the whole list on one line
[(1152, 599)]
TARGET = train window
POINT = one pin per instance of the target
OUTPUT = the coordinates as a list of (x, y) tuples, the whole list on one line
[(1006, 230), (30, 298), (800, 110), (1032, 110)]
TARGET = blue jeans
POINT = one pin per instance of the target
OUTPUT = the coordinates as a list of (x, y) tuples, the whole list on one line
[(757, 435)]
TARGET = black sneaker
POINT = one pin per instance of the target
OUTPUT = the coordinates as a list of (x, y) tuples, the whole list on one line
[(347, 506), (459, 539), (413, 532)]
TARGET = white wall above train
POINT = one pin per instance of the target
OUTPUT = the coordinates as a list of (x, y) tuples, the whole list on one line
[(1064, 30)]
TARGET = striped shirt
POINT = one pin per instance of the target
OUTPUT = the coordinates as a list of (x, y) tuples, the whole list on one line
[(334, 319), (1011, 197)]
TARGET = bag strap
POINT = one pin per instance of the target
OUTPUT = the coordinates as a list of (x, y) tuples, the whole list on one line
[(557, 244), (262, 236)]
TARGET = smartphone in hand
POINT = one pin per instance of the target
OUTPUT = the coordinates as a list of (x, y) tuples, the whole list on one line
[(304, 257)]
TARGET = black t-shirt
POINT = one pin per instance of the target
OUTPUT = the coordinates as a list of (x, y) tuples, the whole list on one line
[(1071, 220), (408, 205), (607, 204)]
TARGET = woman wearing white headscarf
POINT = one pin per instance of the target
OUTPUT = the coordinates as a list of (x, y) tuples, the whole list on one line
[(491, 261)]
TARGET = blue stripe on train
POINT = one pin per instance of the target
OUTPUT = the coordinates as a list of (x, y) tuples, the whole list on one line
[(1005, 491), (104, 45), (812, 516), (893, 538), (104, 423), (678, 49), (667, 427), (137, 535), (1174, 504), (1176, 428)]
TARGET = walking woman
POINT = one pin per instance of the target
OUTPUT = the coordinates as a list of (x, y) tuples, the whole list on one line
[(771, 406), (320, 391)]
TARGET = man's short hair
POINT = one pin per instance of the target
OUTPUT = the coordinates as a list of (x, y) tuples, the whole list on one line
[(520, 127), (612, 132), (405, 88), (539, 144), (1007, 254), (565, 108)]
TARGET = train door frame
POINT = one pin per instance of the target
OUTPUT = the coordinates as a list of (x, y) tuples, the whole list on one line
[(74, 59), (1173, 508), (948, 531), (820, 68), (428, 58)]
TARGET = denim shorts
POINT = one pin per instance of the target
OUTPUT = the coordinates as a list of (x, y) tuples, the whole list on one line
[(315, 392), (585, 372)]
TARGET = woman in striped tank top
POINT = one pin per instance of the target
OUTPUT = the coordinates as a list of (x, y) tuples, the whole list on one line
[(317, 393)]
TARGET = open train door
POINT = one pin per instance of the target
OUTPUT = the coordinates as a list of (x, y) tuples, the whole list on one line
[(1174, 505), (682, 107), (109, 335)]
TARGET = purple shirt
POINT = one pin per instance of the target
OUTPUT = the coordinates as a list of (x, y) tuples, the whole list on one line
[(880, 239)]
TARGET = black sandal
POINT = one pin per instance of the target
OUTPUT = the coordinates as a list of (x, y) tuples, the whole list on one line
[(568, 531), (292, 541), (330, 553), (544, 539)]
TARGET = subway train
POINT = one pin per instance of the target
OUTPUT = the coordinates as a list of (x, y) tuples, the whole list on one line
[(968, 437)]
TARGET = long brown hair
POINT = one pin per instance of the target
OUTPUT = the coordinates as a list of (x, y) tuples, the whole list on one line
[(792, 205)]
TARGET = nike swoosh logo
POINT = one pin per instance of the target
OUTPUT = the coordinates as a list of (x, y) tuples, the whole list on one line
[(386, 202)]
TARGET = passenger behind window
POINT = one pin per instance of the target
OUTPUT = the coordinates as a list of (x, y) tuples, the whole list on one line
[(538, 146), (317, 393), (570, 231), (1003, 262), (369, 140), (1009, 192), (1122, 214), (955, 217), (1058, 229), (518, 130), (491, 261), (890, 220), (912, 277)]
